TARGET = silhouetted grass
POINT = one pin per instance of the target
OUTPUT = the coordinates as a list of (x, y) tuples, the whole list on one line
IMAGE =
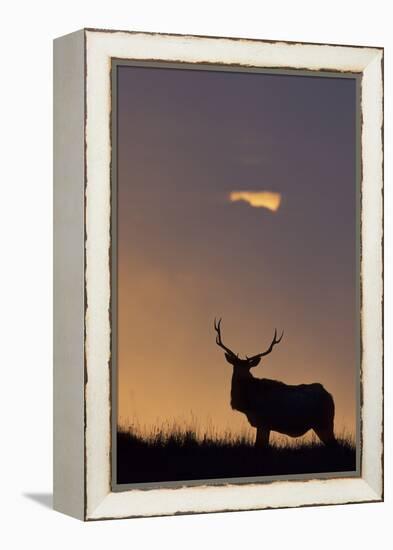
[(181, 455)]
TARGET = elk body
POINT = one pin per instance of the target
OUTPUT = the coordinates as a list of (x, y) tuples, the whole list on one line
[(270, 405)]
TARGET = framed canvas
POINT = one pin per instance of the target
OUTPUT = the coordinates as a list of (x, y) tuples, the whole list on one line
[(218, 274)]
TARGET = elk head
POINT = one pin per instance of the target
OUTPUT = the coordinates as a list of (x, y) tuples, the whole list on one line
[(234, 359)]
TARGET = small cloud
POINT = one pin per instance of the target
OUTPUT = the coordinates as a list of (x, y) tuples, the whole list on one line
[(258, 199)]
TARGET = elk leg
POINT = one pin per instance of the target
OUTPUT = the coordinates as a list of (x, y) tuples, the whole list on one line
[(262, 438), (326, 435)]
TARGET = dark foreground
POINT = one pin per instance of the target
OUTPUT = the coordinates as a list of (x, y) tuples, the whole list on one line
[(181, 457)]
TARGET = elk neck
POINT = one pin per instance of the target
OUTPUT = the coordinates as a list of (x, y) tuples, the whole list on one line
[(242, 379)]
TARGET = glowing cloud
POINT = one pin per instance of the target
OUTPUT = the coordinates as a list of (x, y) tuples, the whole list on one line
[(258, 199)]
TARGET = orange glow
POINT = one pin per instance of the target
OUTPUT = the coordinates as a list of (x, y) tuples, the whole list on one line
[(258, 199), (181, 377)]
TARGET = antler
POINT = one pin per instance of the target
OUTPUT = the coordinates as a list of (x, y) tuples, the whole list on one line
[(269, 349), (217, 327)]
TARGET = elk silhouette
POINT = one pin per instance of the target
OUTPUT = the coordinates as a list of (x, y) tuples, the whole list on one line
[(274, 406)]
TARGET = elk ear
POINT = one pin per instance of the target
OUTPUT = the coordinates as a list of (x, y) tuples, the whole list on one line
[(229, 358), (254, 362)]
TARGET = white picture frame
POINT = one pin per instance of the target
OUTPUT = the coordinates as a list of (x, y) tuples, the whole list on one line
[(82, 292)]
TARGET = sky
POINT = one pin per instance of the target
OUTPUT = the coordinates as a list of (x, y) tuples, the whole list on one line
[(189, 141)]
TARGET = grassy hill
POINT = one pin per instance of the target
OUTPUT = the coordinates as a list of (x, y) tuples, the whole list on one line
[(182, 455)]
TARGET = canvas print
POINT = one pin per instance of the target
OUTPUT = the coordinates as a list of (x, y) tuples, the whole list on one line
[(235, 275)]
